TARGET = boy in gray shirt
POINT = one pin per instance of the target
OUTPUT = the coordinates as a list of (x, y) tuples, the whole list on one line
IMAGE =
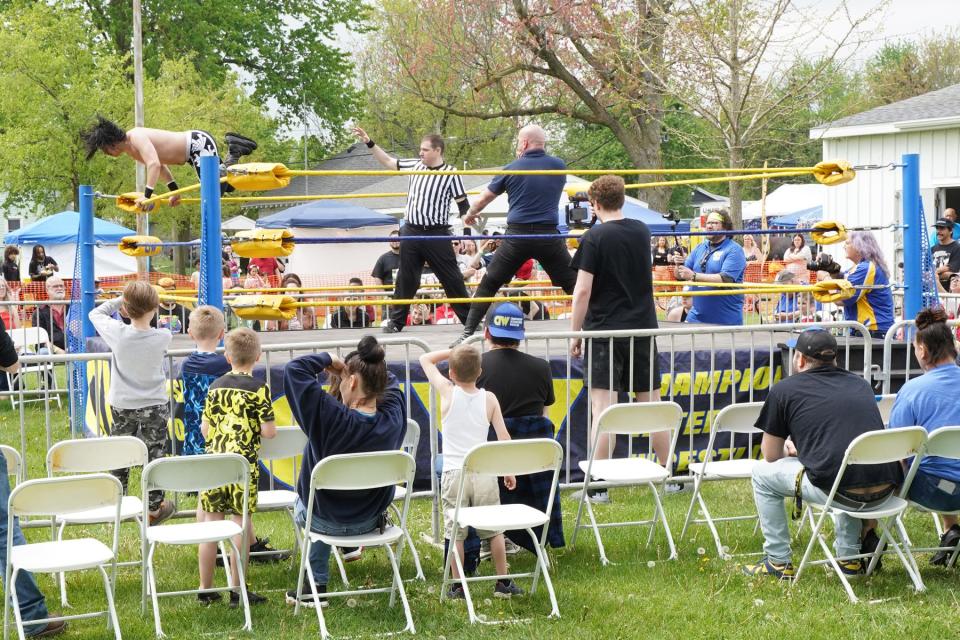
[(138, 386)]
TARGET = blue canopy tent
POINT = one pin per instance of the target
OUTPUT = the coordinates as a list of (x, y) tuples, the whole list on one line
[(800, 218), (326, 214), (58, 235), (654, 220)]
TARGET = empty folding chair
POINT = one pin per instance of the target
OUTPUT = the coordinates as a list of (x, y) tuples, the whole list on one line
[(732, 420), (90, 455), (29, 341), (943, 443), (358, 472), (57, 497), (14, 463), (285, 449), (194, 473), (630, 419), (873, 447), (516, 458)]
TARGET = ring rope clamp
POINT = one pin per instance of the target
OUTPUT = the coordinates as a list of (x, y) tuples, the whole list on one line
[(128, 202), (132, 246), (833, 290), (833, 173), (264, 307), (258, 176), (828, 232), (263, 243)]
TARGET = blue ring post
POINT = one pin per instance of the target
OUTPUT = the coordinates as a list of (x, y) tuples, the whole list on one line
[(211, 289), (87, 277), (912, 227)]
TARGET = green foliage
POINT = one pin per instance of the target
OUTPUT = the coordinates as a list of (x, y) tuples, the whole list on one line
[(908, 68)]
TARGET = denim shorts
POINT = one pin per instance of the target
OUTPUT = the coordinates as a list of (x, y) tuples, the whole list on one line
[(935, 493)]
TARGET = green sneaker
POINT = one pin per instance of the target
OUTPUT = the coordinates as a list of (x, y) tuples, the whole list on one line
[(768, 568)]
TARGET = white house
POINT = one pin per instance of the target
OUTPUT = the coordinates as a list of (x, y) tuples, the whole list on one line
[(928, 125)]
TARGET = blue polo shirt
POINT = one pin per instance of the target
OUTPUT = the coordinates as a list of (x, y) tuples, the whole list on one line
[(532, 199), (928, 401), (726, 258)]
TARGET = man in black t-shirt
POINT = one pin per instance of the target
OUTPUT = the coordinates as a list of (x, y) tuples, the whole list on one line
[(946, 253), (614, 290), (388, 263), (809, 420)]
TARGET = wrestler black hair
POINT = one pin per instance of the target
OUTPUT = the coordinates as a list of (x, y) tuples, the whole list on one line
[(105, 133)]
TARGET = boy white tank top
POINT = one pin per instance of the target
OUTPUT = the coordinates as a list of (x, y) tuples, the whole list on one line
[(465, 425)]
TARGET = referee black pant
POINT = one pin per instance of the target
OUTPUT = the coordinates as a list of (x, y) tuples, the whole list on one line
[(551, 253), (439, 254)]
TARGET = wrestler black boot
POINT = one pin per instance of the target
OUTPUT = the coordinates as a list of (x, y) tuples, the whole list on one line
[(237, 147)]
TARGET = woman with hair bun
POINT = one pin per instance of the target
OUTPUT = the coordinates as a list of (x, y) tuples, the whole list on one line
[(929, 401), (363, 411)]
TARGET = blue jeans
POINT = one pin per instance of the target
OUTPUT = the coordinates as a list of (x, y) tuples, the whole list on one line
[(774, 481), (32, 603), (319, 551), (934, 492)]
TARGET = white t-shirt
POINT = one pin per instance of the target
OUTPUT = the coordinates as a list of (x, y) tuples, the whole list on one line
[(465, 425)]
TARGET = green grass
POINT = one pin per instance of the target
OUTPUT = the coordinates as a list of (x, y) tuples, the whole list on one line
[(697, 596)]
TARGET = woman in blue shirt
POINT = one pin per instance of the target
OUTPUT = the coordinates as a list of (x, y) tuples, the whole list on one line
[(928, 401), (873, 308)]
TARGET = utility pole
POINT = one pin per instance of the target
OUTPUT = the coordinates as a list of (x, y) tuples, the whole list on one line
[(143, 221)]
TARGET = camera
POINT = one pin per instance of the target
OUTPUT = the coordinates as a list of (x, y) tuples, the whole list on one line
[(824, 262), (576, 211)]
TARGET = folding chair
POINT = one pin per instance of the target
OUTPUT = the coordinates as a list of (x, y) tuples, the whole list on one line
[(56, 497), (885, 405), (28, 341), (873, 447), (517, 458), (288, 446), (944, 443), (89, 455), (630, 419), (194, 473), (734, 419), (358, 472), (14, 463)]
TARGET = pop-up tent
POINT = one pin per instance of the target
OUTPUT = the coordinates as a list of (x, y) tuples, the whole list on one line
[(58, 235), (332, 219)]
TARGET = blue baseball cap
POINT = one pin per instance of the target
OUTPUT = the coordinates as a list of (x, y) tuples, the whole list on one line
[(815, 342), (505, 320)]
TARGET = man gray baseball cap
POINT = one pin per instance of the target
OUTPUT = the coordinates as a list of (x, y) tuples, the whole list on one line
[(816, 343), (505, 320)]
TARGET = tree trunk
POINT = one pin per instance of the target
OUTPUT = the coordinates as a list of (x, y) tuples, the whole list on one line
[(181, 255), (736, 189)]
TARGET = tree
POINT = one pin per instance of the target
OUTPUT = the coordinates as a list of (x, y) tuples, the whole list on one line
[(908, 68), (522, 59)]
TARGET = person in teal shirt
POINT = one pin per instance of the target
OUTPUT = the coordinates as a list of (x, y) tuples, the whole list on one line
[(717, 259)]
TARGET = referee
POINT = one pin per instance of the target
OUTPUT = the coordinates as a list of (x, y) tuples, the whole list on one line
[(428, 214)]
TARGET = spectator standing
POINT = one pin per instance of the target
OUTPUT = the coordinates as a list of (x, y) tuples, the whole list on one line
[(270, 268), (661, 252), (53, 317), (385, 270), (171, 315), (195, 276), (427, 214), (11, 264), (951, 215), (42, 266), (615, 291), (718, 259), (928, 401), (199, 370), (873, 308), (946, 253), (255, 279), (809, 420), (797, 256), (752, 252)]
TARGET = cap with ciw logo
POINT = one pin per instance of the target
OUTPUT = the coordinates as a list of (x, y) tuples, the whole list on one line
[(505, 320)]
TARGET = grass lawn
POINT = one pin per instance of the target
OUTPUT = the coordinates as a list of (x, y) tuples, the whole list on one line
[(642, 595)]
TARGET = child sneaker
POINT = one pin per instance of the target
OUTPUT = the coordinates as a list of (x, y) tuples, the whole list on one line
[(252, 598), (768, 568), (506, 589)]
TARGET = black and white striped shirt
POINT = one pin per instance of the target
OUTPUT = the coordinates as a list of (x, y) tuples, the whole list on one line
[(429, 197)]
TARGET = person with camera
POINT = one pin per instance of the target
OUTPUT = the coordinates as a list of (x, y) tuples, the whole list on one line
[(872, 306), (717, 259)]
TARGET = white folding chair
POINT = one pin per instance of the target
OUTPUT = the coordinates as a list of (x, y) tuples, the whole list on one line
[(28, 341), (733, 420), (873, 447), (358, 472), (14, 463), (56, 497), (885, 405), (286, 448), (944, 443), (516, 458), (195, 473), (630, 419)]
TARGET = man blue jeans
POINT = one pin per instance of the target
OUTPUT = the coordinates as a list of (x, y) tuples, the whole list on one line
[(774, 481), (32, 603), (319, 556)]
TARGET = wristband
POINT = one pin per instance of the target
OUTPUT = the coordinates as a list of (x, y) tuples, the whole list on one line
[(172, 185), (147, 192), (371, 144)]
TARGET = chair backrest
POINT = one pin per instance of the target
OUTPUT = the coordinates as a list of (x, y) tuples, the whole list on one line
[(65, 495), (889, 445), (514, 457), (359, 471), (885, 405), (14, 461), (28, 337), (411, 439), (195, 473), (288, 443), (738, 418), (86, 455), (634, 418), (944, 442)]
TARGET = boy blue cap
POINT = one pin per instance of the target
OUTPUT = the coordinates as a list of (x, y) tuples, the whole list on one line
[(505, 320)]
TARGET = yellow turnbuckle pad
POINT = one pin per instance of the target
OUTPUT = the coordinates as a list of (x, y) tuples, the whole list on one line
[(833, 291), (264, 307), (131, 245), (263, 243), (258, 176), (828, 232), (834, 173)]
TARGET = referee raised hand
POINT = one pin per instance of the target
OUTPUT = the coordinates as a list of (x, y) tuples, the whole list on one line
[(428, 214)]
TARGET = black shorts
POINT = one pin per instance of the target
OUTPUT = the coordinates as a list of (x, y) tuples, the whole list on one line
[(619, 378), (200, 143)]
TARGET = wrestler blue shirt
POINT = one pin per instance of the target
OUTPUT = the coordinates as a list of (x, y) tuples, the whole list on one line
[(532, 199), (928, 401), (726, 258)]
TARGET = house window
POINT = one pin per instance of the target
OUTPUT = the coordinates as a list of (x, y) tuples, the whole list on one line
[(13, 224)]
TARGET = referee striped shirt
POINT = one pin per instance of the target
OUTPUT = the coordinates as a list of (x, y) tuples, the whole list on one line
[(429, 197)]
